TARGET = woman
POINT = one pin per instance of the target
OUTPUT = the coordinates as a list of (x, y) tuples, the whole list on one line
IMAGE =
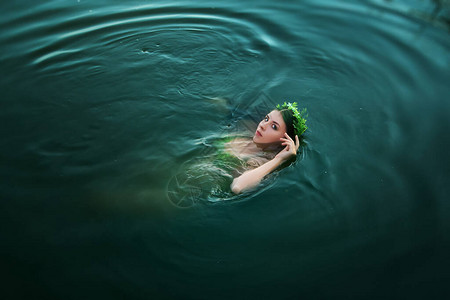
[(265, 152)]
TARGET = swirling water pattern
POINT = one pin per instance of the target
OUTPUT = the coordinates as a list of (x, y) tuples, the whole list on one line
[(103, 103)]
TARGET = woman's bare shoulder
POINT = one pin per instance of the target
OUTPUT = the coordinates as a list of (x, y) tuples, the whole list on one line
[(238, 147), (238, 142)]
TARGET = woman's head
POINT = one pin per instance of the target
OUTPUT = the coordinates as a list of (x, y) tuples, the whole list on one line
[(271, 128), (295, 120), (285, 118)]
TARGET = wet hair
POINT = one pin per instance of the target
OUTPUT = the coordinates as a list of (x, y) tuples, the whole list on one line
[(288, 118)]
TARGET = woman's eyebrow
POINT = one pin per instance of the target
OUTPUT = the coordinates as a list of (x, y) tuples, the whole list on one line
[(273, 120)]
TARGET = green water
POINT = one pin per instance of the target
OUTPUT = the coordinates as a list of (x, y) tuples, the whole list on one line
[(104, 102)]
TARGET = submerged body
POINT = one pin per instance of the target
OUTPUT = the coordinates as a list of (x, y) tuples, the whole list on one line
[(235, 164), (269, 148)]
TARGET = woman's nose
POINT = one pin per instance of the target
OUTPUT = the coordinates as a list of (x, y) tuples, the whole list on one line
[(262, 125)]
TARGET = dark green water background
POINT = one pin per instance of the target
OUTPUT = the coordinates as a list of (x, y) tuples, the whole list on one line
[(102, 101)]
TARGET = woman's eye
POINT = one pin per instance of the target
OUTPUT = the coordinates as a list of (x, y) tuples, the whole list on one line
[(274, 127), (266, 119)]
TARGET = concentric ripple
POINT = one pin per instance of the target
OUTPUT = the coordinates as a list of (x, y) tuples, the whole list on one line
[(109, 110), (167, 32)]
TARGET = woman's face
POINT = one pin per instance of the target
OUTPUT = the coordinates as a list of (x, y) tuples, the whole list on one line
[(270, 129)]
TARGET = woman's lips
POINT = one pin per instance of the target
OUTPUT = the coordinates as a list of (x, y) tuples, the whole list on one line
[(258, 133)]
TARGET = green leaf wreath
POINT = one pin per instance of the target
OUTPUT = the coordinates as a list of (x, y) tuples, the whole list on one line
[(299, 117)]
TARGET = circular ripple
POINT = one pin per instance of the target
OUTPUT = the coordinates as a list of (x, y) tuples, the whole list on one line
[(173, 33)]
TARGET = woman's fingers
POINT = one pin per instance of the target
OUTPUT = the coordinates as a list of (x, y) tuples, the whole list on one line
[(289, 143), (287, 136)]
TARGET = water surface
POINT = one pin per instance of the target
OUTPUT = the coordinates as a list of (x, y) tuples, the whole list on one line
[(103, 103)]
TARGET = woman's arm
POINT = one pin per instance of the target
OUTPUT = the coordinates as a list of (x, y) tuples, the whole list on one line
[(253, 177)]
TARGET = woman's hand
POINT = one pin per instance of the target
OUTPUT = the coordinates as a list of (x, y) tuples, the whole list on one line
[(252, 178), (290, 149)]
